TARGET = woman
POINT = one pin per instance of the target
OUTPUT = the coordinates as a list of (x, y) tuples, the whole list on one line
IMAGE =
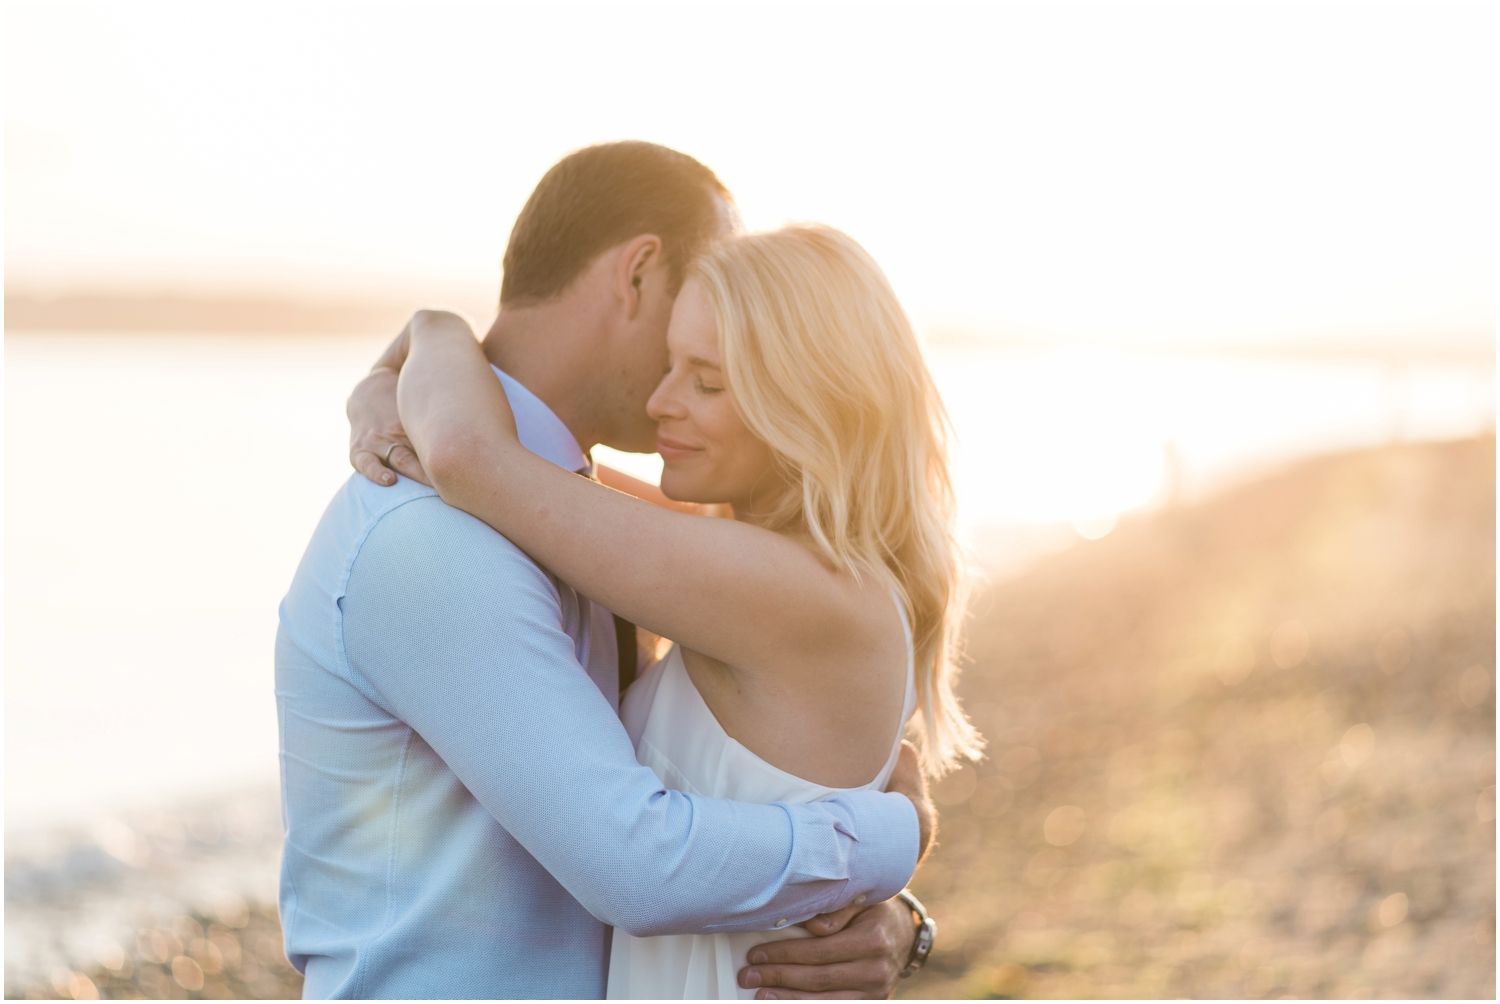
[(807, 630)]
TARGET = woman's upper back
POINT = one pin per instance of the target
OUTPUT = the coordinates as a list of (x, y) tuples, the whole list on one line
[(797, 736), (678, 736)]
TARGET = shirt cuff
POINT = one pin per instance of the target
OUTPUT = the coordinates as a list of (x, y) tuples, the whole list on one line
[(887, 841)]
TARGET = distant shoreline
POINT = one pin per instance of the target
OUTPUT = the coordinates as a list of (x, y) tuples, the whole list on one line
[(28, 312), (184, 314)]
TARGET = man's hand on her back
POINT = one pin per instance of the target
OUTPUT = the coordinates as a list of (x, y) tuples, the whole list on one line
[(859, 954), (907, 780), (859, 951)]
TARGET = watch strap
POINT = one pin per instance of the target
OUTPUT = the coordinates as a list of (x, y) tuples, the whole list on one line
[(924, 937)]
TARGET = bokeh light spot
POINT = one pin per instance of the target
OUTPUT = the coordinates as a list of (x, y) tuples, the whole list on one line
[(1393, 909), (152, 946), (1357, 745), (187, 973), (109, 953), (992, 797), (1064, 825), (1473, 686), (1484, 805), (956, 787), (1021, 764), (1095, 528), (232, 911)]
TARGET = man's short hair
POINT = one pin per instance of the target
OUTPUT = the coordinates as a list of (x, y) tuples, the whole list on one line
[(599, 197)]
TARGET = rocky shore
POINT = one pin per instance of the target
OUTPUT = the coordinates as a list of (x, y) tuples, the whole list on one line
[(160, 903), (1239, 749)]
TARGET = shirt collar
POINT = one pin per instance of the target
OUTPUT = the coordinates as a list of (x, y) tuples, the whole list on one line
[(540, 431)]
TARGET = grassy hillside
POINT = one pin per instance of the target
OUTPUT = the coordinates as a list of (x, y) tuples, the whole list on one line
[(1244, 748)]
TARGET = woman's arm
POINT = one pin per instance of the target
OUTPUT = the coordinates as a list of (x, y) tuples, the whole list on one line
[(376, 433), (732, 591)]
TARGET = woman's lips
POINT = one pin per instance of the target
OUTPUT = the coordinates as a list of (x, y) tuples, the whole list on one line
[(671, 449)]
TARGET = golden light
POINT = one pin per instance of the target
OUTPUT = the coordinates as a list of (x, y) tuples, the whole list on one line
[(1357, 745), (1289, 644), (1064, 825), (1393, 909)]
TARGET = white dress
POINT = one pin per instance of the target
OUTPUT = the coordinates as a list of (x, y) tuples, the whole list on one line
[(676, 735)]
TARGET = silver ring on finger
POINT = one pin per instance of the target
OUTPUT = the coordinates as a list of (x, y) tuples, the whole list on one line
[(389, 450)]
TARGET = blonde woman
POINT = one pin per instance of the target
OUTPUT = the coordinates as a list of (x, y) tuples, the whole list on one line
[(811, 631)]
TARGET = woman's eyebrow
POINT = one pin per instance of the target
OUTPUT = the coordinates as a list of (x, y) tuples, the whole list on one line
[(703, 362)]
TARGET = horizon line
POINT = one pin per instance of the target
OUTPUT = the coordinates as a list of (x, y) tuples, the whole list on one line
[(264, 313)]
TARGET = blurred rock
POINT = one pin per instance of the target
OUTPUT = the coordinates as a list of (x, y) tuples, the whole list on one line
[(1272, 714), (143, 905)]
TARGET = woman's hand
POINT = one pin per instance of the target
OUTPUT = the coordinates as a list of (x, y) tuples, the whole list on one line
[(377, 443), (378, 447)]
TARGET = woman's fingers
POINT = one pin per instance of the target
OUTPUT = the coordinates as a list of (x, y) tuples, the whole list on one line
[(368, 464), (375, 429), (404, 459), (381, 460)]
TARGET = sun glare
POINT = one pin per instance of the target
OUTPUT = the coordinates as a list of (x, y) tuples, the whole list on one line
[(1164, 174)]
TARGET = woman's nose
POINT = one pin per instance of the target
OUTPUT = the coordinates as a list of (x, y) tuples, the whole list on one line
[(663, 404)]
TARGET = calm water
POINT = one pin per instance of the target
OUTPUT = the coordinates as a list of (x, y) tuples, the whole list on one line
[(160, 491)]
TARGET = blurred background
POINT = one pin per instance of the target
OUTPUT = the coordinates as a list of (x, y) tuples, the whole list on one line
[(1210, 294)]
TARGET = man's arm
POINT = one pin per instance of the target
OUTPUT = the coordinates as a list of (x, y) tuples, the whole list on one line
[(459, 633), (860, 950)]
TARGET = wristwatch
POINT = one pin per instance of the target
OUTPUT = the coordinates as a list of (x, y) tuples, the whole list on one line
[(921, 946)]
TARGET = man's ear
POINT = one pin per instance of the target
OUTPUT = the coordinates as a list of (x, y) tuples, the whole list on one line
[(639, 262)]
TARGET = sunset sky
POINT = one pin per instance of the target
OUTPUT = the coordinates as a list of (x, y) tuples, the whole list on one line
[(1201, 174)]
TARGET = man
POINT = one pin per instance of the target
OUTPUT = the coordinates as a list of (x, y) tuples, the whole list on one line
[(464, 811)]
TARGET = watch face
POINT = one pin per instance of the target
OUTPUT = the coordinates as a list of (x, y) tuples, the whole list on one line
[(925, 936)]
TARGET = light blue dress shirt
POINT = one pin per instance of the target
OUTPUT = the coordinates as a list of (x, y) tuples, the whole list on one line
[(464, 811)]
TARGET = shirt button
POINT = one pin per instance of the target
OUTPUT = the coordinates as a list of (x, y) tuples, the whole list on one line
[(781, 923), (860, 898)]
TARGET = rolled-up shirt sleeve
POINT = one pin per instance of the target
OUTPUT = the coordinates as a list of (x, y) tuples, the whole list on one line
[(461, 637)]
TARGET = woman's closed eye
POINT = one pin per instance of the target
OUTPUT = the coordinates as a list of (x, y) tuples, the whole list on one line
[(704, 388)]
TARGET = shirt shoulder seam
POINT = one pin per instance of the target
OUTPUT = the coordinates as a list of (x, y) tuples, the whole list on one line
[(348, 570)]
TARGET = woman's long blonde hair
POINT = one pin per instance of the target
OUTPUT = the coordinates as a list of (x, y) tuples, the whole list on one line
[(823, 365)]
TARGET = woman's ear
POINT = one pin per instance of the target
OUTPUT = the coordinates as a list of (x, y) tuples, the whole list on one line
[(641, 261)]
